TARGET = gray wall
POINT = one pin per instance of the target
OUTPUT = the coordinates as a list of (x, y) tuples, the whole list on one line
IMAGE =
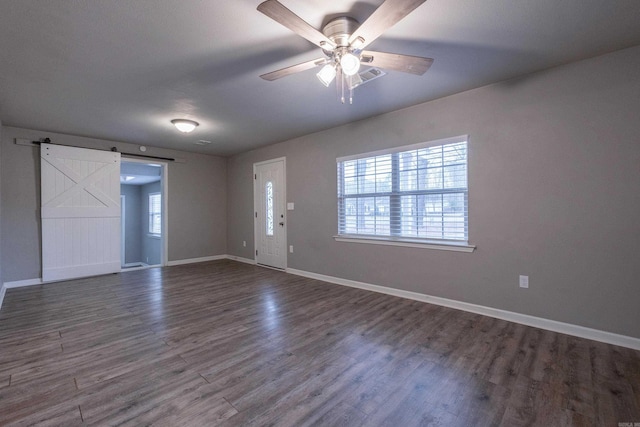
[(151, 246), (132, 223), (196, 212), (554, 179), (20, 209), (1, 281)]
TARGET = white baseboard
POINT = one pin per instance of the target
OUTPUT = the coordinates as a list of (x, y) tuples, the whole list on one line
[(38, 281), (240, 259), (16, 284), (211, 258), (135, 264), (537, 322), (23, 283), (194, 260), (126, 269)]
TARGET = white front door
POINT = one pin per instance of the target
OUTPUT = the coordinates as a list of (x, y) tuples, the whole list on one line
[(80, 212), (270, 222)]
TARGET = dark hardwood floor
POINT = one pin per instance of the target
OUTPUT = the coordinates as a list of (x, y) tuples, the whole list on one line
[(225, 343)]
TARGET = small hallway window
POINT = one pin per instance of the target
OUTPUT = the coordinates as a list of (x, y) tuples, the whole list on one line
[(155, 214)]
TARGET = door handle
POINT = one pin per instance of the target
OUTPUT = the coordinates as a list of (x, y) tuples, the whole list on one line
[(282, 224)]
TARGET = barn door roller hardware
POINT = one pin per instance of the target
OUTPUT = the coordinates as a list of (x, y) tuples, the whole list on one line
[(27, 142)]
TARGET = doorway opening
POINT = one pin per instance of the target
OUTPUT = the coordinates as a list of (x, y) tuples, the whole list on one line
[(143, 221)]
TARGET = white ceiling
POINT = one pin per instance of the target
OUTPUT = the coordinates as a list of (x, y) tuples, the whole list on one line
[(122, 69), (135, 173)]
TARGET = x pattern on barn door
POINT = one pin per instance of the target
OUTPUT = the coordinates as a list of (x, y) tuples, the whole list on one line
[(80, 212)]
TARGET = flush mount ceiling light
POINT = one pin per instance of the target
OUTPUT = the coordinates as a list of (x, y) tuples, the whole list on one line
[(184, 125)]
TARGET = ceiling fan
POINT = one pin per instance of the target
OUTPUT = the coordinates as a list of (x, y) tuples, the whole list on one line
[(343, 41)]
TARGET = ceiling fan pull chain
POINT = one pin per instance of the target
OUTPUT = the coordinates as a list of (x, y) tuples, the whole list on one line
[(339, 84)]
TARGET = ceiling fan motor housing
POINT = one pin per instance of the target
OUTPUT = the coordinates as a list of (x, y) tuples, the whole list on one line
[(340, 29)]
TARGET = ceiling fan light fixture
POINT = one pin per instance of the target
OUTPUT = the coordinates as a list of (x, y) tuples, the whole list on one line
[(327, 74), (357, 43), (349, 63), (184, 125)]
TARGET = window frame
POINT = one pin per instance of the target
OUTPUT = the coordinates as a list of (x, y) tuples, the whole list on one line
[(152, 213), (395, 193)]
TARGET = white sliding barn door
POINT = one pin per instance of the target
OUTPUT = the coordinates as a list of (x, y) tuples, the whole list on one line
[(80, 212)]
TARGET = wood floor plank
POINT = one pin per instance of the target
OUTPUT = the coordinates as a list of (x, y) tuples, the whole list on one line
[(65, 414), (341, 415), (482, 403), (369, 395), (322, 391), (23, 401), (123, 399), (94, 364), (425, 398), (614, 401), (199, 407), (30, 355), (226, 343)]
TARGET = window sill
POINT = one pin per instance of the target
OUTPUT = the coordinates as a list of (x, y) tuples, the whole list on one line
[(422, 244), (154, 236)]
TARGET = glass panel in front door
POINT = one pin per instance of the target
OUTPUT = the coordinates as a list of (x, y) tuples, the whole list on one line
[(269, 207)]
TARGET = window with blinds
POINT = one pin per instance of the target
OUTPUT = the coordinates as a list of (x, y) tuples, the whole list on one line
[(155, 214), (413, 193)]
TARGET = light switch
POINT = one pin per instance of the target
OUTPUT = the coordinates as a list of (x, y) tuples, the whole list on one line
[(524, 281)]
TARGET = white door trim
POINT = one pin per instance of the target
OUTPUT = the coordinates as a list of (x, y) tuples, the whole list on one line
[(257, 200), (123, 210)]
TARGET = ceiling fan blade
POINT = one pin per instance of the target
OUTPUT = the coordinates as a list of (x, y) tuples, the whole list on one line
[(279, 13), (283, 72), (395, 61), (387, 15)]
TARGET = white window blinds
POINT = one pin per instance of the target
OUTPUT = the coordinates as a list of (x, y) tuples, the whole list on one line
[(416, 192), (155, 213)]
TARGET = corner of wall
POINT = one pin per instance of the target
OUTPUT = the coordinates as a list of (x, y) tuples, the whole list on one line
[(2, 290)]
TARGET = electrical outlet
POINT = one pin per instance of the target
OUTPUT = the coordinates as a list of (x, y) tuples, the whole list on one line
[(524, 281), (290, 249), (244, 243)]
